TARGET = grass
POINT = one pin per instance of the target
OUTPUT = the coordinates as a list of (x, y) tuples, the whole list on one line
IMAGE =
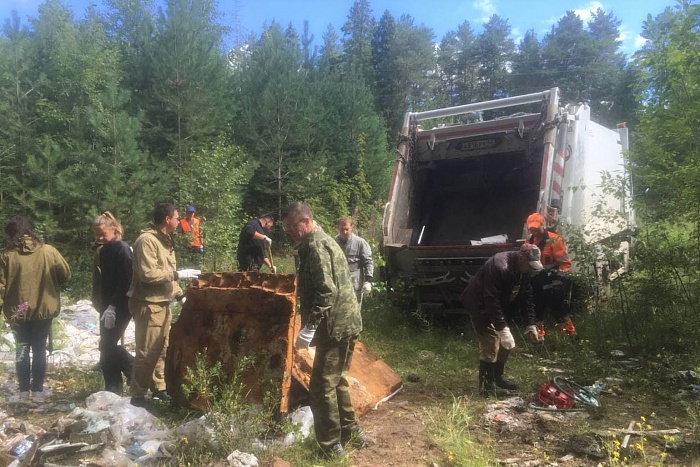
[(438, 363), (451, 427)]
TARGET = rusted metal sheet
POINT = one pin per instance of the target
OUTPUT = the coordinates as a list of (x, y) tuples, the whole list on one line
[(228, 317), (371, 380)]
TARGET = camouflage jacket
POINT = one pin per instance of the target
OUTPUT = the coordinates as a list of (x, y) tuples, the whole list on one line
[(325, 291)]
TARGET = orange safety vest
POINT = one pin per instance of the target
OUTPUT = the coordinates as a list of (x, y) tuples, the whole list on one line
[(192, 230), (553, 250)]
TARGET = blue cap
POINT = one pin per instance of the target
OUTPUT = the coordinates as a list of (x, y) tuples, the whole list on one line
[(190, 208)]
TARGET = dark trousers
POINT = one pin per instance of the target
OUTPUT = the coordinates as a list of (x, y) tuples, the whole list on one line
[(115, 360), (329, 391), (33, 335), (551, 291)]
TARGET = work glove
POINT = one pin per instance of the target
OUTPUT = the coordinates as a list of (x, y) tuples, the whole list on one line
[(305, 336), (533, 333), (109, 317), (366, 288), (507, 341), (183, 300), (273, 269), (187, 274), (267, 240)]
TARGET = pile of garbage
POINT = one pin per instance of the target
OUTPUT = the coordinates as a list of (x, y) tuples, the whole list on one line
[(110, 431), (76, 343)]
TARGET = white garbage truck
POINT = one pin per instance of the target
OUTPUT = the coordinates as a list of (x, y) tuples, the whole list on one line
[(467, 177)]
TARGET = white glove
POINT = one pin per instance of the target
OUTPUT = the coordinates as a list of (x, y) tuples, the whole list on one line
[(507, 341), (366, 288), (273, 269), (183, 300), (533, 333), (109, 317), (267, 240), (187, 274)]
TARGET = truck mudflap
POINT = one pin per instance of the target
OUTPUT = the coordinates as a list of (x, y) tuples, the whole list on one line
[(236, 317)]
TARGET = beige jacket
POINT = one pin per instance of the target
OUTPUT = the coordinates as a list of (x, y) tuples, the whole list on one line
[(31, 276), (154, 274)]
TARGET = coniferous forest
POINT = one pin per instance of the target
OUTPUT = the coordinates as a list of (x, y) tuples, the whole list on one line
[(133, 104)]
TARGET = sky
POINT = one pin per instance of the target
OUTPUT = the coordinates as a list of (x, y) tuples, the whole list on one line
[(249, 16)]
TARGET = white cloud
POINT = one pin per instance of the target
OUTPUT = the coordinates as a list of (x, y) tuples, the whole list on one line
[(585, 12), (486, 7), (639, 42)]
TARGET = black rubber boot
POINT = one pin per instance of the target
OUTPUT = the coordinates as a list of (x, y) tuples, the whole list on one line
[(485, 376), (498, 369), (487, 384)]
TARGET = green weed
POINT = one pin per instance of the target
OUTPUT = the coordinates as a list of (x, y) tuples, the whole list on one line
[(450, 428), (236, 423)]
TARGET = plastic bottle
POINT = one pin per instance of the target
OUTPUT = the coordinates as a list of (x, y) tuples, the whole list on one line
[(22, 447)]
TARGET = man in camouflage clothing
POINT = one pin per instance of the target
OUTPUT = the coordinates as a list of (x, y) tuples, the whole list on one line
[(327, 302)]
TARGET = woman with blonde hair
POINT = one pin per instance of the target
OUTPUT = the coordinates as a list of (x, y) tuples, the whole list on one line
[(113, 270), (31, 276)]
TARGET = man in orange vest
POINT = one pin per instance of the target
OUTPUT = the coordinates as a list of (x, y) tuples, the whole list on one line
[(552, 287), (190, 227)]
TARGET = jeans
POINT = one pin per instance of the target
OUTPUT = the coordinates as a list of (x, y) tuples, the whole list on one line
[(31, 334)]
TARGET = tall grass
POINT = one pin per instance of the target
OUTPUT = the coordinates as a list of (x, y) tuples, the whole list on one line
[(451, 428)]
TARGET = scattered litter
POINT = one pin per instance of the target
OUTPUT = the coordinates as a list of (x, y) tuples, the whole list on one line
[(690, 376), (617, 354), (501, 414), (587, 445), (242, 459), (304, 420)]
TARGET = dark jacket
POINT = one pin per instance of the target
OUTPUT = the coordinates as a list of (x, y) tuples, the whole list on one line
[(115, 265), (326, 293), (32, 273), (493, 287), (251, 252)]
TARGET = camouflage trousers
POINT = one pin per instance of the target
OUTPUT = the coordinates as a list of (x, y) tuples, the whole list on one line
[(329, 391)]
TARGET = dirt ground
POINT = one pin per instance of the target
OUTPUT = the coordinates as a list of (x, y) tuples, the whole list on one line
[(522, 437), (527, 437), (519, 435), (399, 431)]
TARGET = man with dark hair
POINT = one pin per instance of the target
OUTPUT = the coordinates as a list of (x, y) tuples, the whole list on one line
[(486, 297), (190, 226), (153, 286), (328, 304), (252, 242)]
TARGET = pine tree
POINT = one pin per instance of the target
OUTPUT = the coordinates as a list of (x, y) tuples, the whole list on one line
[(277, 118), (495, 50), (188, 97), (19, 82), (358, 31), (528, 74)]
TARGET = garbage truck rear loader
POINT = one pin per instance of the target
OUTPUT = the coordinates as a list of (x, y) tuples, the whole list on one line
[(463, 186)]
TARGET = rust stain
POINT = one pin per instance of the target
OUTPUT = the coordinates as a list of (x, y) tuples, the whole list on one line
[(231, 316)]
